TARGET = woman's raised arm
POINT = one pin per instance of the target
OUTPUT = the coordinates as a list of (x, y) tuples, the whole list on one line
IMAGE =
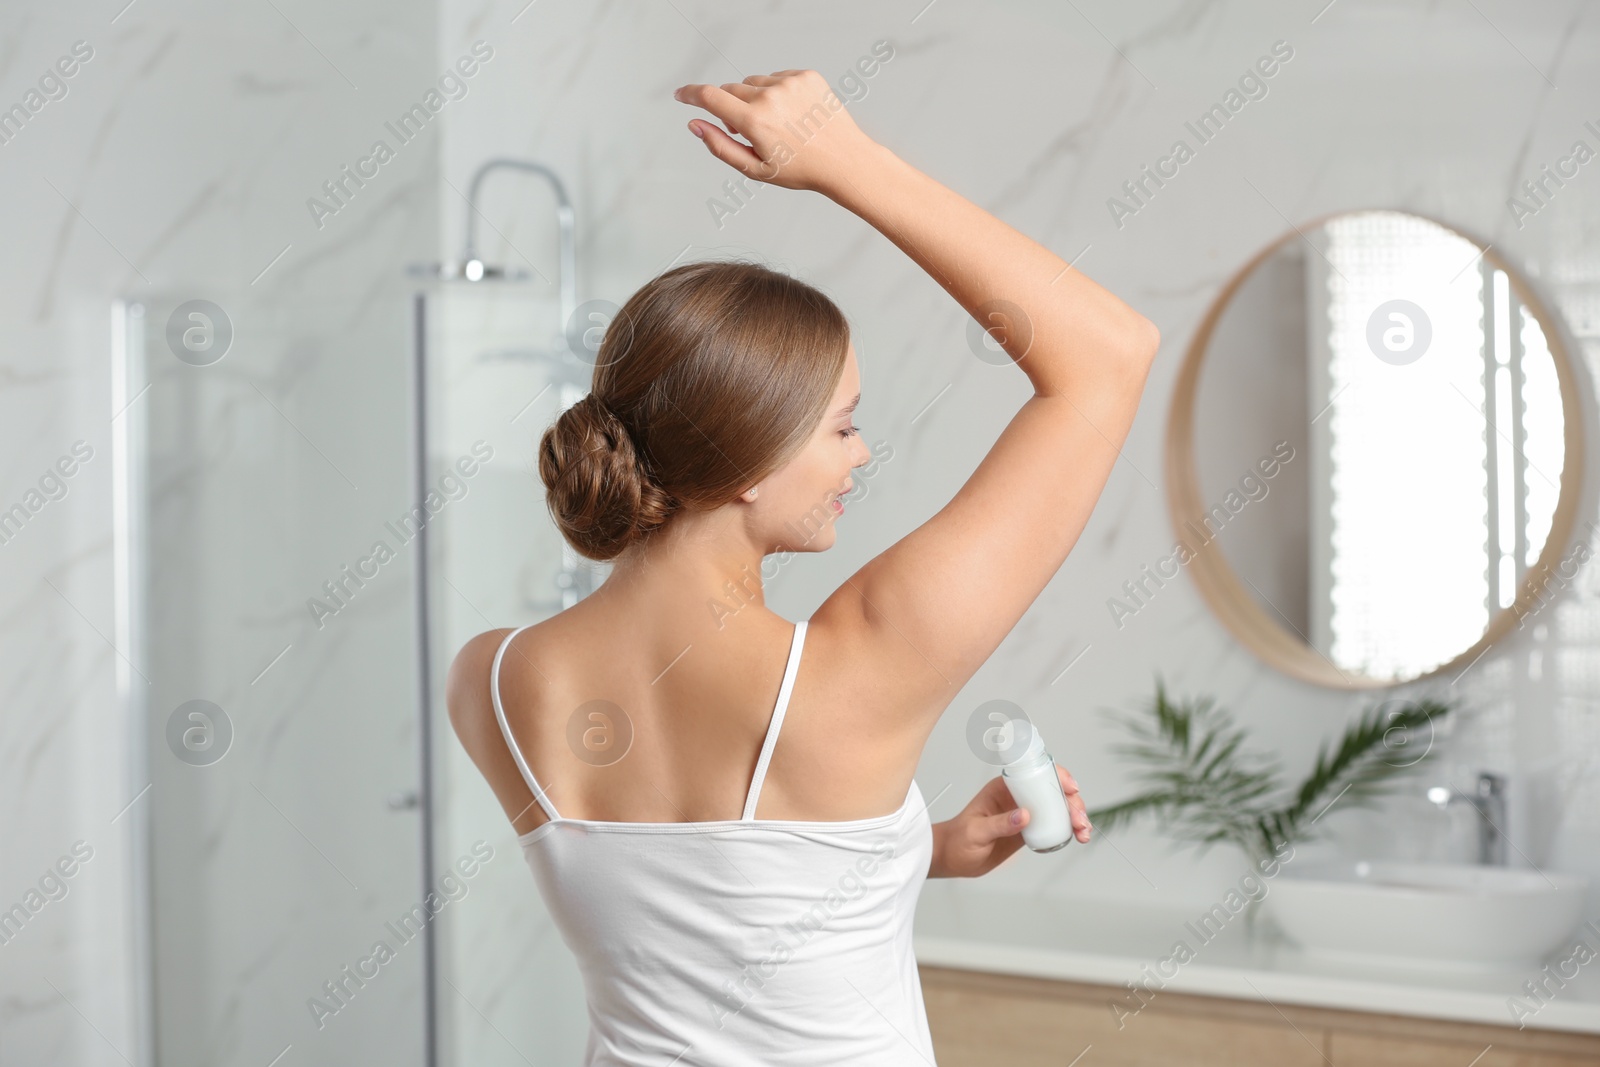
[(932, 607)]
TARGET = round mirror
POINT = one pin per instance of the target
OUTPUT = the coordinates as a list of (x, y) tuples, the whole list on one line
[(1373, 452)]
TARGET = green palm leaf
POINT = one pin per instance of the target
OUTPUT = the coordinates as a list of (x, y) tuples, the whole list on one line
[(1206, 786)]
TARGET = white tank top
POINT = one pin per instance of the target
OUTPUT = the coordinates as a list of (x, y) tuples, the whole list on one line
[(739, 941)]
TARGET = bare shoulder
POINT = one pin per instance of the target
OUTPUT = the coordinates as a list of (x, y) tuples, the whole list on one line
[(467, 692), (469, 685), (469, 696)]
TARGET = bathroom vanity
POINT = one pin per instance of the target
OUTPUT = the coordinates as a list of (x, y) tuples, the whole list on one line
[(980, 1018), (1029, 980)]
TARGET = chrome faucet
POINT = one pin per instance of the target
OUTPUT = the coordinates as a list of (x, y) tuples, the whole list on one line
[(1489, 801)]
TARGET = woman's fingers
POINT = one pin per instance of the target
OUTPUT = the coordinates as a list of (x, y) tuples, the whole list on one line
[(744, 92), (765, 109), (735, 154), (728, 103), (1076, 808), (717, 100), (1006, 823), (1079, 813)]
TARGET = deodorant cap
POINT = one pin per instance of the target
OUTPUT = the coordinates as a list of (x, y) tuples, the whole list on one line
[(1034, 752)]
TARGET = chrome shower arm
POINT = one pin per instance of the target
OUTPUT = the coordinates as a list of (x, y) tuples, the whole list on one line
[(564, 218)]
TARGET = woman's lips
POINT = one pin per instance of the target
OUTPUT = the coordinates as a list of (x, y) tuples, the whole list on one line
[(838, 506)]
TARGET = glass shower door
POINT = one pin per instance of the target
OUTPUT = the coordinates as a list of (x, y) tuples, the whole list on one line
[(270, 679)]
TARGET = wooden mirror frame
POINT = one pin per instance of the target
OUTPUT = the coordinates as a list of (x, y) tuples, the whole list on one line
[(1222, 588)]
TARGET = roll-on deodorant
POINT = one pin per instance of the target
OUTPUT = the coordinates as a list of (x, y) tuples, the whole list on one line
[(1035, 786)]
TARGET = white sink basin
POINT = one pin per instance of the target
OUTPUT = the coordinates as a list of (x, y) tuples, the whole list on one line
[(1427, 913)]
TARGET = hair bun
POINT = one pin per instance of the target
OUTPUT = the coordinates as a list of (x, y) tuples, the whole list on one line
[(597, 485)]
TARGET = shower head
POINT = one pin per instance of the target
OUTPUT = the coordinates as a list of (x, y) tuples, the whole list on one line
[(471, 266)]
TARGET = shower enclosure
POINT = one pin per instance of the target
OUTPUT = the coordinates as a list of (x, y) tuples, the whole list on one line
[(316, 507), (497, 360)]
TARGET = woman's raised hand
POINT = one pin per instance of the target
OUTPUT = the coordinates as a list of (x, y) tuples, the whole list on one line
[(800, 135)]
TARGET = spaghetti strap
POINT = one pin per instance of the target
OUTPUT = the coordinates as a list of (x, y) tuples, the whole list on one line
[(505, 727), (776, 724)]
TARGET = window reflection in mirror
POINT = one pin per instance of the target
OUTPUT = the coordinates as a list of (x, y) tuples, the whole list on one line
[(1420, 403)]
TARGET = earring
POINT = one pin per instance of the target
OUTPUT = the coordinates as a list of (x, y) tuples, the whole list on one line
[(753, 490)]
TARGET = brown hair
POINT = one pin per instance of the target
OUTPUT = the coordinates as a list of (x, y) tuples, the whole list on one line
[(710, 377)]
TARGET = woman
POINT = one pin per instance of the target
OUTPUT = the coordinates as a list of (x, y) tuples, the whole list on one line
[(737, 873)]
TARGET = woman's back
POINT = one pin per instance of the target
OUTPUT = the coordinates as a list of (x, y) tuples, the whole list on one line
[(627, 710), (736, 940)]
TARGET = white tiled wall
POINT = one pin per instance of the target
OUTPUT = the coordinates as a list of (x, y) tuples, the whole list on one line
[(179, 165)]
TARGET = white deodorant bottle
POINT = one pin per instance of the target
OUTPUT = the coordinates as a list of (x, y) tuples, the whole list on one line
[(1035, 786)]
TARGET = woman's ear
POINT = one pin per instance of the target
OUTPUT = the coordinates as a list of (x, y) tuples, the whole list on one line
[(749, 495)]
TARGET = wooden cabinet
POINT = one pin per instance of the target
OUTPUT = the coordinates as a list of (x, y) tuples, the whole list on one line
[(1397, 1051), (982, 1020)]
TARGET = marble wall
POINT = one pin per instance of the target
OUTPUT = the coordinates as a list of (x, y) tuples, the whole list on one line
[(1040, 112), (179, 165)]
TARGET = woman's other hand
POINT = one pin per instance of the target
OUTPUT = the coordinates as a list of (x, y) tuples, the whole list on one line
[(800, 134), (988, 830)]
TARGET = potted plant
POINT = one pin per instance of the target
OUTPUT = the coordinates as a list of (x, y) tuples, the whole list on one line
[(1207, 787)]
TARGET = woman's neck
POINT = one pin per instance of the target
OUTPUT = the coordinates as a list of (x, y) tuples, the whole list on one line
[(701, 571)]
